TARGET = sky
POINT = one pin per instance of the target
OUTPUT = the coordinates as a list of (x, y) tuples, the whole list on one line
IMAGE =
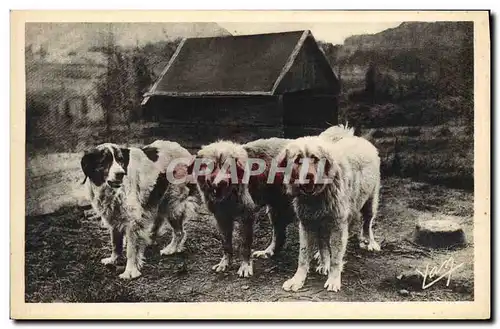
[(331, 32)]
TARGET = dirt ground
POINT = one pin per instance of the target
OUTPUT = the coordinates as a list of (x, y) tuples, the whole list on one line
[(63, 252)]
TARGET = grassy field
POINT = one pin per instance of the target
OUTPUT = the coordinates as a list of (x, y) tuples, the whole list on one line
[(63, 252), (442, 155)]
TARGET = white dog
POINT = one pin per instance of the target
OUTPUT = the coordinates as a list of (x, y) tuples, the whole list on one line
[(331, 181)]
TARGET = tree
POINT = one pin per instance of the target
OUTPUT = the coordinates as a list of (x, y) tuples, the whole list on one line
[(371, 82), (28, 53), (127, 77), (67, 111), (85, 106), (143, 79), (42, 51)]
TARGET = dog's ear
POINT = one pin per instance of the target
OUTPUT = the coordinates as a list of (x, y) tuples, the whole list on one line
[(126, 157), (89, 163), (325, 158)]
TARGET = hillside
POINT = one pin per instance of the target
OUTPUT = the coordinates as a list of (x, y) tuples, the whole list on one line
[(411, 47), (422, 71), (74, 42), (413, 35)]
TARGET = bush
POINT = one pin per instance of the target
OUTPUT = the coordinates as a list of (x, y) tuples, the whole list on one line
[(447, 161), (414, 132), (379, 134), (444, 132)]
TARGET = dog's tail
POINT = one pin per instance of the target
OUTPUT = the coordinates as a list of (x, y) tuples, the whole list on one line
[(336, 133)]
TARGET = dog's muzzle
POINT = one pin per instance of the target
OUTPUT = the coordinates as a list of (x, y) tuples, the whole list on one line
[(310, 187), (117, 182), (220, 191)]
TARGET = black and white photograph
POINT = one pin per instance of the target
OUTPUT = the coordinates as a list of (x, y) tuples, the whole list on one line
[(279, 161)]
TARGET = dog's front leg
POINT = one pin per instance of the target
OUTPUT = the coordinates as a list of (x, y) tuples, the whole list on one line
[(246, 267), (323, 257), (338, 245), (136, 244), (116, 246), (306, 243), (226, 228)]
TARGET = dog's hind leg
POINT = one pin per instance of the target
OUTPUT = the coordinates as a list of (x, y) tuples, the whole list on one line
[(178, 237), (116, 246), (369, 212)]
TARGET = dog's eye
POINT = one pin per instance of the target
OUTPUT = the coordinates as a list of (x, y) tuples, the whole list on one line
[(298, 159), (314, 159)]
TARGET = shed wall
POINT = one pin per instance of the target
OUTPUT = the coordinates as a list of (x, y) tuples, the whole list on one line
[(310, 71), (306, 113), (193, 122)]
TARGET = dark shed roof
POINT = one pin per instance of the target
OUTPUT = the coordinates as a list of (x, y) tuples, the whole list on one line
[(233, 65)]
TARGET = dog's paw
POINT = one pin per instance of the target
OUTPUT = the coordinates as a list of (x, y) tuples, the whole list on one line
[(363, 244), (245, 270), (168, 250), (333, 283), (130, 274), (109, 260), (322, 269), (91, 215), (293, 284), (264, 254), (222, 266), (373, 246), (369, 245)]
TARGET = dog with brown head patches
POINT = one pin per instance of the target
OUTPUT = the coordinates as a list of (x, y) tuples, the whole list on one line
[(130, 190), (241, 193), (331, 181)]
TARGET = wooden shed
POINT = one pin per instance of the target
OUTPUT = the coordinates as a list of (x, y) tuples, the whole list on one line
[(243, 88)]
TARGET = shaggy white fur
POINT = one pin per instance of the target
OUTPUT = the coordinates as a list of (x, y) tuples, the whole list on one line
[(324, 210), (338, 132)]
